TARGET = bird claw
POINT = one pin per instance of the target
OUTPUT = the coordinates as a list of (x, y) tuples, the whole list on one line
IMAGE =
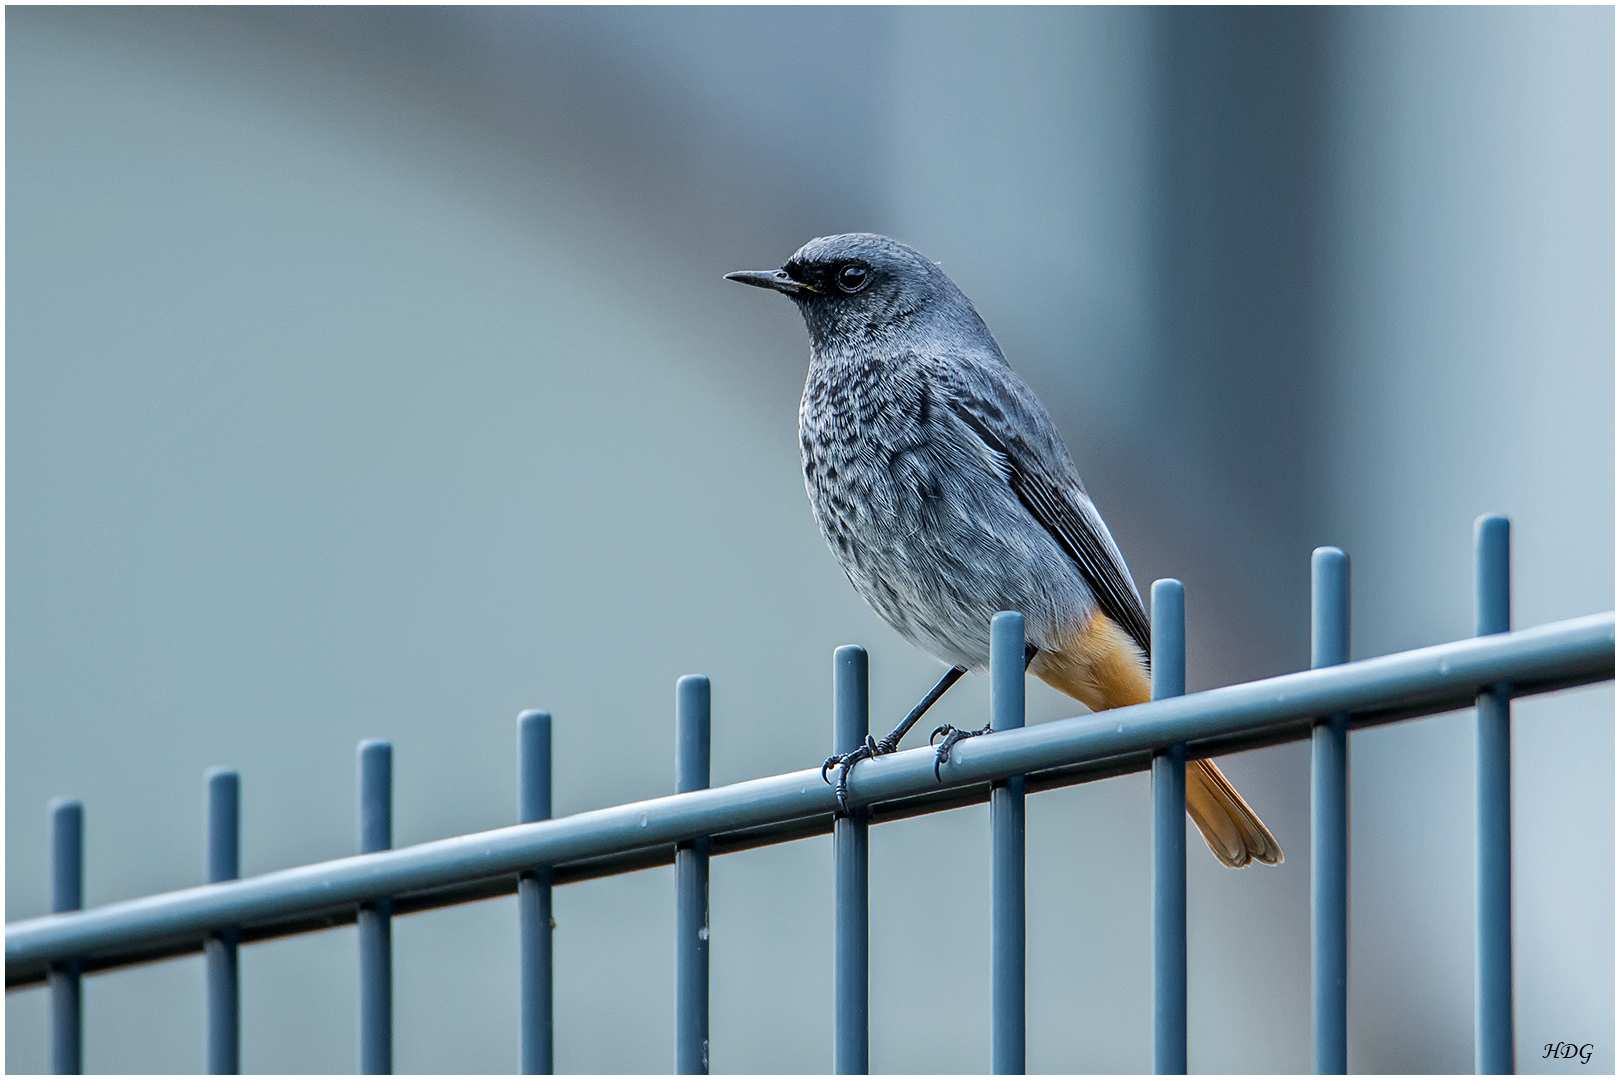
[(953, 735), (845, 762)]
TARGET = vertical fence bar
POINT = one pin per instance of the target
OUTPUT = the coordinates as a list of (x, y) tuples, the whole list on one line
[(1493, 996), (851, 724), (224, 864), (67, 894), (1169, 782), (1007, 1012), (534, 900), (692, 884), (376, 944), (1330, 821)]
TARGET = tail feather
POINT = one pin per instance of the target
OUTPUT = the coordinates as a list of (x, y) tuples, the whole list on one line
[(1233, 831), (1101, 666)]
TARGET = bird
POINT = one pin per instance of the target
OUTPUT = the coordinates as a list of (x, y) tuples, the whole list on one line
[(945, 492)]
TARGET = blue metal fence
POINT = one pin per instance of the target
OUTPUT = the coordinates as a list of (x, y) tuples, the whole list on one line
[(1330, 820), (1323, 705), (224, 864), (1169, 786), (850, 728)]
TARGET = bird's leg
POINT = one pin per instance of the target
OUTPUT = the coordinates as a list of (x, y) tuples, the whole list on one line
[(891, 741), (955, 735)]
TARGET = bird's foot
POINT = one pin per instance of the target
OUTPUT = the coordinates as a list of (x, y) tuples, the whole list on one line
[(953, 735), (845, 762)]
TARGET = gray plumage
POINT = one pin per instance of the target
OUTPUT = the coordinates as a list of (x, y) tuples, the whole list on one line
[(936, 476)]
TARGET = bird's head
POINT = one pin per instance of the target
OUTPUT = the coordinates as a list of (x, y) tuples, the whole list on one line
[(861, 289)]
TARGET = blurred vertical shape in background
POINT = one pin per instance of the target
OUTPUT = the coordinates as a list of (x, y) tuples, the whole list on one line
[(371, 369), (1242, 100)]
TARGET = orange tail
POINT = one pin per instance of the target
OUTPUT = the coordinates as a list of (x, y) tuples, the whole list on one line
[(1102, 668), (1233, 832)]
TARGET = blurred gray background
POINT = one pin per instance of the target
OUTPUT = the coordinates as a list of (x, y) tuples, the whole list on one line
[(370, 373)]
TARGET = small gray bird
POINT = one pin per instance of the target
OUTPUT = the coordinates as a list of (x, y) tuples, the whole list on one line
[(943, 488)]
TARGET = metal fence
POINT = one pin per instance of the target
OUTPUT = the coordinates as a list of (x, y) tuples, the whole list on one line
[(531, 858)]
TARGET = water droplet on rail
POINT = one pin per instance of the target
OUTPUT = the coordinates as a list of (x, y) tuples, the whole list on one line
[(643, 821), (703, 933)]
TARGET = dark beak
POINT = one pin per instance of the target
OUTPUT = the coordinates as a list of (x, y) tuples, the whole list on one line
[(771, 279)]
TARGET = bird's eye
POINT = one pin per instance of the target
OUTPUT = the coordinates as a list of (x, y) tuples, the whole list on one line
[(852, 278)]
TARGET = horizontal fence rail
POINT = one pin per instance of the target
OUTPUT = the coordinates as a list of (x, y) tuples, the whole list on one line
[(754, 813)]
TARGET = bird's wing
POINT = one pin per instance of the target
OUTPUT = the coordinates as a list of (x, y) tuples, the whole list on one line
[(1059, 503)]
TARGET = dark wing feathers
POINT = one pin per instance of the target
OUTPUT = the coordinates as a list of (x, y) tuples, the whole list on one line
[(1056, 512)]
